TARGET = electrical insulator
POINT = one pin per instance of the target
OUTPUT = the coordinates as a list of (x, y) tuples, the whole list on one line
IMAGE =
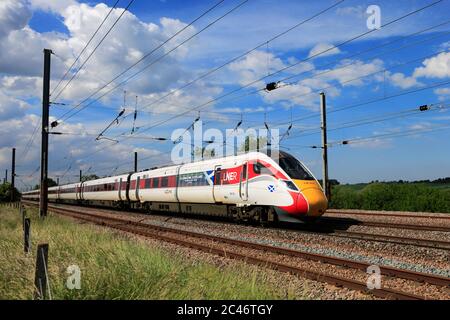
[(271, 86), (423, 108), (345, 142), (54, 124)]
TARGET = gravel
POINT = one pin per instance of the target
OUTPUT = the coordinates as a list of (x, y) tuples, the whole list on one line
[(433, 261)]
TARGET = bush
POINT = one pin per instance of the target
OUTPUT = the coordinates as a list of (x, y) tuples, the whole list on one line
[(393, 197)]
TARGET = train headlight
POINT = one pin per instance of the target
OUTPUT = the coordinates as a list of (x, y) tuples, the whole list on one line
[(290, 185)]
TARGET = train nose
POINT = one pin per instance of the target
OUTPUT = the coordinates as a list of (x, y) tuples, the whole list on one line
[(314, 196)]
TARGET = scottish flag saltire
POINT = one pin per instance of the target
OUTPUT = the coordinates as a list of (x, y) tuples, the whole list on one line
[(210, 176)]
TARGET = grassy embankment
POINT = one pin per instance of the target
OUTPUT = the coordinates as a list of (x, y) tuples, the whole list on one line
[(114, 266), (420, 197)]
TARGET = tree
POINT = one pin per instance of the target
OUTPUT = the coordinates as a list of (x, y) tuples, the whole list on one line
[(251, 144), (5, 192), (50, 182), (89, 177)]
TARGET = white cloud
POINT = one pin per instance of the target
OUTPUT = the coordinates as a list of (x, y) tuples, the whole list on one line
[(347, 70), (443, 91), (11, 107), (435, 67), (255, 66), (322, 47), (402, 81), (57, 6), (14, 15)]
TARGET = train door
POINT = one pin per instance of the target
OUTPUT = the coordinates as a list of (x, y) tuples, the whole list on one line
[(81, 196), (217, 183), (138, 180), (127, 191), (243, 184), (120, 189)]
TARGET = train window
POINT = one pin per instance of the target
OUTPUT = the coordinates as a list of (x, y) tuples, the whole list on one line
[(147, 183), (164, 182), (293, 167), (155, 182)]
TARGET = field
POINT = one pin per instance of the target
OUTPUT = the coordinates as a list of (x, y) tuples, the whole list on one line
[(395, 196), (115, 266)]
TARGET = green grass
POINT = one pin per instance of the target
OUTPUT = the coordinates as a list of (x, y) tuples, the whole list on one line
[(421, 197), (114, 266)]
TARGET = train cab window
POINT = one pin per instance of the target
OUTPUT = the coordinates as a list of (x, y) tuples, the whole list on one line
[(259, 168), (164, 182), (293, 167)]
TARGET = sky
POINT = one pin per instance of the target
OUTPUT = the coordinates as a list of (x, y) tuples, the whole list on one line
[(374, 80)]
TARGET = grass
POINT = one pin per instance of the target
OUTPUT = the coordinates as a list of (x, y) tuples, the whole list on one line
[(114, 266)]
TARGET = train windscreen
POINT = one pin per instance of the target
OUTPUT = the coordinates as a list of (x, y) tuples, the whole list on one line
[(293, 167)]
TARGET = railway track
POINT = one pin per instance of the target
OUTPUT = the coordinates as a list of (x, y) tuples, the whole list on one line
[(386, 215), (172, 235), (325, 222), (418, 242)]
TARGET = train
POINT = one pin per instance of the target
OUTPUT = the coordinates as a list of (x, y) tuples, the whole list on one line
[(250, 187)]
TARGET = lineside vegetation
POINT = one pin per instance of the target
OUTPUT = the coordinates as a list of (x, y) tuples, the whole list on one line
[(115, 266), (392, 196)]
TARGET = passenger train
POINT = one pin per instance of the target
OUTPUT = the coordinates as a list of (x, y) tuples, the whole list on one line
[(248, 187)]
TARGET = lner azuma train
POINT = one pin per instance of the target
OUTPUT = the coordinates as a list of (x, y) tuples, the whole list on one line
[(248, 187)]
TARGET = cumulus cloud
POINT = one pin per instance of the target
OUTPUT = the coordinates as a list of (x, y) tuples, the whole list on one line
[(435, 67), (21, 78), (326, 48), (402, 81), (51, 5), (255, 66), (11, 107)]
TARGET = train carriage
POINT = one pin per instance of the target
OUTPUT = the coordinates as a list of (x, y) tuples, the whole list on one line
[(251, 186)]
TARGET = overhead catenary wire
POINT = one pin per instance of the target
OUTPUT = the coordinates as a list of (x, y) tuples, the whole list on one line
[(433, 107), (209, 72), (151, 64), (85, 47), (341, 67), (200, 106), (93, 51)]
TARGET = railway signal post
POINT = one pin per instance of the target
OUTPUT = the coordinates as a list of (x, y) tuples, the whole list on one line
[(43, 204), (323, 107), (13, 173)]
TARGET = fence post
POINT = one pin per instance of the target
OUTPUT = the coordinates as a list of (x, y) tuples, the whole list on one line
[(26, 235), (24, 214), (41, 274)]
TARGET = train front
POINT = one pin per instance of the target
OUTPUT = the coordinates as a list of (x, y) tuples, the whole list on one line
[(309, 198)]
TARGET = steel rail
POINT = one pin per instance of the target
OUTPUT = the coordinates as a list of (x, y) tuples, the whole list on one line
[(343, 221), (383, 214)]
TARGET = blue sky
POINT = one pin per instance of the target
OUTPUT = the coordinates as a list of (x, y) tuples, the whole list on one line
[(413, 70)]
